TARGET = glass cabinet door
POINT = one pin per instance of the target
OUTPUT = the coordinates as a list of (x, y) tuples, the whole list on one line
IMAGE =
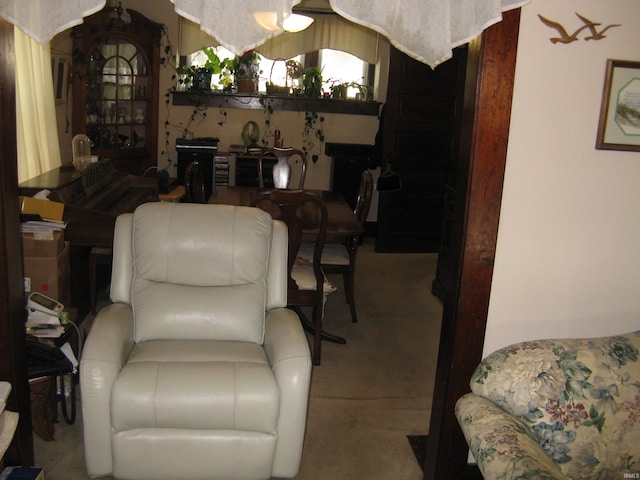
[(117, 97)]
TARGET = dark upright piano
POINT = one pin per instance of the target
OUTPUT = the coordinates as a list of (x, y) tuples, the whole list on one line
[(93, 199)]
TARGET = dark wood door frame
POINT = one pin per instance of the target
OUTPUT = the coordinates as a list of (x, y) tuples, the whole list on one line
[(12, 314), (483, 151)]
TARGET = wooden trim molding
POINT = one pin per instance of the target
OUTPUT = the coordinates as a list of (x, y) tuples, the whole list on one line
[(483, 152), (13, 366)]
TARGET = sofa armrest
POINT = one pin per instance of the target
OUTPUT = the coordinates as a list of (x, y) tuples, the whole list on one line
[(105, 352), (501, 444), (288, 352)]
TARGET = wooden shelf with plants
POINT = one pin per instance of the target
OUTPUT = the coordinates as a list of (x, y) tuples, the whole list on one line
[(278, 102)]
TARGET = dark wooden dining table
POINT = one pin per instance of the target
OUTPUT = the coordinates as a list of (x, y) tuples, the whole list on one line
[(341, 221)]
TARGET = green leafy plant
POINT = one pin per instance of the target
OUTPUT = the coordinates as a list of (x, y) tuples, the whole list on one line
[(267, 109), (313, 131), (244, 67), (312, 82), (339, 89), (198, 77)]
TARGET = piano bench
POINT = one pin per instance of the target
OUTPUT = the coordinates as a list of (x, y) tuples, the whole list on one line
[(98, 256), (174, 195)]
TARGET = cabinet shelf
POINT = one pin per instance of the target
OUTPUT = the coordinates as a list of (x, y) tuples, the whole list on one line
[(115, 88)]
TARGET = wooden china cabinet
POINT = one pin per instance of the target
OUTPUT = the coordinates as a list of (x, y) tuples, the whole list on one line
[(116, 58)]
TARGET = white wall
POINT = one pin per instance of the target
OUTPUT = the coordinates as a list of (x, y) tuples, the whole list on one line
[(568, 251)]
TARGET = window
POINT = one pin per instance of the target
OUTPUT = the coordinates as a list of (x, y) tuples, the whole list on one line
[(342, 67), (336, 66)]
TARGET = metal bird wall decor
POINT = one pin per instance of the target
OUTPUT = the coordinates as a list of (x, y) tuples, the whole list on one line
[(565, 37)]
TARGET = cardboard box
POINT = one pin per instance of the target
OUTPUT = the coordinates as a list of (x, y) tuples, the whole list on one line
[(48, 275), (42, 244), (45, 208)]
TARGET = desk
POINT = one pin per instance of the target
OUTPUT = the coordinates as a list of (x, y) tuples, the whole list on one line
[(341, 221)]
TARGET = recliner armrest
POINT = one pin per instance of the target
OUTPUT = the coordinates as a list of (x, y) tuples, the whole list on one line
[(104, 354), (288, 352), (495, 436)]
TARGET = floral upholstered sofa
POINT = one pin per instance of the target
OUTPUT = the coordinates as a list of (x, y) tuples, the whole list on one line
[(556, 409)]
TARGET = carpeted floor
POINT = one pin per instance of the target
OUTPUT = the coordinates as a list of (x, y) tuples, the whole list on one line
[(367, 397)]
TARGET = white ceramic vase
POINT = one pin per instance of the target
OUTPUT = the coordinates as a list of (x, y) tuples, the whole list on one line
[(282, 172)]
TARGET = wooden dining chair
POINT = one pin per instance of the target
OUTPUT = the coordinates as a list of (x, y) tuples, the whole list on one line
[(286, 153), (194, 184), (341, 257), (306, 284)]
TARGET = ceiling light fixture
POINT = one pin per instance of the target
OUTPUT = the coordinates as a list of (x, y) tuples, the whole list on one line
[(296, 22), (292, 23)]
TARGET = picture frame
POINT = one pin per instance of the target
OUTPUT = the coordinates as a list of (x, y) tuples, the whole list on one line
[(619, 123), (60, 71)]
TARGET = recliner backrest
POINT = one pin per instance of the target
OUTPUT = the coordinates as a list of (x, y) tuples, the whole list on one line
[(194, 271)]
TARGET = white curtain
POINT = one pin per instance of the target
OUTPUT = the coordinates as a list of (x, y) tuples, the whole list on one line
[(37, 131), (232, 22), (43, 19), (427, 30)]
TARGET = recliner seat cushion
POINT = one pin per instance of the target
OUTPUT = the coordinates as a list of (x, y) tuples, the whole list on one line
[(201, 385)]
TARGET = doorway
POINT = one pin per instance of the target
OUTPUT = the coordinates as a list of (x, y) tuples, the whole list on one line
[(420, 136)]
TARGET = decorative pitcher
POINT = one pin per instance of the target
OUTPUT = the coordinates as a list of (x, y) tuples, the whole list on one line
[(282, 172)]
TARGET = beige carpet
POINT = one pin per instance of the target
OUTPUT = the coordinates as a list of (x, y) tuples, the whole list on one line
[(367, 395)]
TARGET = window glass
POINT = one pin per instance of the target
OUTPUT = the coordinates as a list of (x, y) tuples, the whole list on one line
[(336, 66), (342, 67)]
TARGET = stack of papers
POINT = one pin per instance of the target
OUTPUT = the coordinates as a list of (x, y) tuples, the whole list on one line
[(37, 226)]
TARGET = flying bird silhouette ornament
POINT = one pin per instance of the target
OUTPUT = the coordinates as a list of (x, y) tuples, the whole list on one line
[(565, 37), (595, 34)]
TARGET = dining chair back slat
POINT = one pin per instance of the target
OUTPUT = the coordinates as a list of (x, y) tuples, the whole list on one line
[(306, 280)]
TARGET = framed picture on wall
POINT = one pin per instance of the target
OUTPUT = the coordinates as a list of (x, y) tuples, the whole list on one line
[(619, 125), (60, 71)]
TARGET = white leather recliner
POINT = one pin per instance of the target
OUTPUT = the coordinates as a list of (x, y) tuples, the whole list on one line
[(197, 370)]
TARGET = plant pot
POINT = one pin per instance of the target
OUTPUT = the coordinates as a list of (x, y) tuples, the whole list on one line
[(339, 93), (246, 86), (277, 90), (201, 81)]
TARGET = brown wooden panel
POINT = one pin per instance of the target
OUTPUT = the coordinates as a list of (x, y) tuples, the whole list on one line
[(488, 95), (427, 110), (422, 117), (12, 314)]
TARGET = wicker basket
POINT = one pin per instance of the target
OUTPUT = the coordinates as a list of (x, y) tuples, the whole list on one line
[(278, 89)]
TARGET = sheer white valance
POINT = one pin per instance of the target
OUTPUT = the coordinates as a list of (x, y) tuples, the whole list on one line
[(327, 31), (43, 19), (233, 22), (425, 29)]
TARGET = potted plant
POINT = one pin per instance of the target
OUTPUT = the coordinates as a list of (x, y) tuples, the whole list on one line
[(245, 70), (312, 82), (339, 89), (365, 92), (198, 78)]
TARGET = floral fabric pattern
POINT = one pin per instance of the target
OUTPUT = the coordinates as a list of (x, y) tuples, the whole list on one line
[(556, 409)]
